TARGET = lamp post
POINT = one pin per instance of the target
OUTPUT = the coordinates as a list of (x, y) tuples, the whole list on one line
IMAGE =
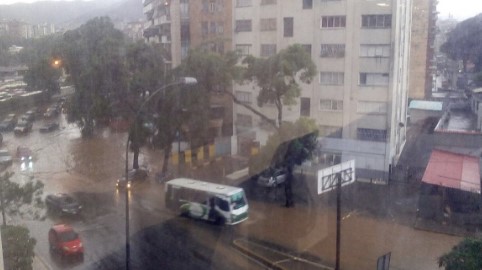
[(180, 81)]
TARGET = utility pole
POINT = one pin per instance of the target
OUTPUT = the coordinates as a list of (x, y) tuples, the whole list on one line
[(338, 220)]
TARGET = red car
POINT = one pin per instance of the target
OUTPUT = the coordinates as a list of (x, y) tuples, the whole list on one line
[(65, 241)]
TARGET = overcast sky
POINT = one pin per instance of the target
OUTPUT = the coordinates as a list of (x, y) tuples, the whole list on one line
[(459, 9)]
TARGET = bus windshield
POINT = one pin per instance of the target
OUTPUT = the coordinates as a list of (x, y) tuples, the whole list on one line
[(237, 200)]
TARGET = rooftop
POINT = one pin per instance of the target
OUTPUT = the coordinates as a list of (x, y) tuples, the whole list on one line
[(453, 170), (426, 105)]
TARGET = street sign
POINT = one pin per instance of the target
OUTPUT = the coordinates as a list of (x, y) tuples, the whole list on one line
[(383, 262), (327, 177)]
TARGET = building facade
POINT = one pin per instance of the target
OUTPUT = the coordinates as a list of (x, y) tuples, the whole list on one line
[(422, 59), (181, 25), (359, 97)]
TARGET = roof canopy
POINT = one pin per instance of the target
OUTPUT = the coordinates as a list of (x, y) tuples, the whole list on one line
[(453, 170)]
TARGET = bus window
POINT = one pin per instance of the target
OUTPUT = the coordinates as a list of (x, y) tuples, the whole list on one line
[(237, 200), (223, 204)]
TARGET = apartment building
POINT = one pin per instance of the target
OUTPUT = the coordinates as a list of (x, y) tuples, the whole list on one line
[(359, 98), (180, 25), (422, 56)]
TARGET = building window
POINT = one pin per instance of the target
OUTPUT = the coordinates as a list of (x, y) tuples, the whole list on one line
[(370, 50), (329, 159), (368, 134), (375, 79), (243, 25), (305, 107), (243, 3), (333, 21), (243, 96), (377, 21), (268, 2), (204, 29), (307, 48), (331, 105), (332, 50), (330, 131), (213, 28), (268, 50), (268, 24), (332, 78), (370, 107), (220, 27), (288, 26), (243, 49), (307, 4), (244, 120)]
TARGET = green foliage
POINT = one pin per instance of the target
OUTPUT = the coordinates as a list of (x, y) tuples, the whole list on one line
[(6, 58), (464, 256), (148, 72), (22, 200), (94, 57), (43, 76), (463, 42), (277, 76), (287, 147), (39, 55), (18, 248)]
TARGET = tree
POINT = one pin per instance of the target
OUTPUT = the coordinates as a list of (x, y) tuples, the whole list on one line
[(464, 256), (43, 75), (188, 116), (18, 248), (463, 42), (293, 144), (277, 76), (41, 55), (148, 72), (20, 200), (94, 57)]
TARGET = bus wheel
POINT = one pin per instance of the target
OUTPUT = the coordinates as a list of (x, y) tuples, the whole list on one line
[(220, 220)]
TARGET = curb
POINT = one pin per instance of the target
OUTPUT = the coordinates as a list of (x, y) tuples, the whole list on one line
[(260, 258), (39, 261)]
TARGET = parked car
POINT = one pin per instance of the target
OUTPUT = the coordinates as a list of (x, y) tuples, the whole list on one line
[(51, 112), (5, 158), (29, 116), (23, 127), (24, 153), (49, 127), (65, 241), (272, 177), (63, 203), (8, 123), (135, 176)]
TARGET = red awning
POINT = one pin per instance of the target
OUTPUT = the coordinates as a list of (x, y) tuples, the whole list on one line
[(453, 170)]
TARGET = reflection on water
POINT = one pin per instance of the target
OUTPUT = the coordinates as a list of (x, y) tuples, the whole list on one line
[(99, 157)]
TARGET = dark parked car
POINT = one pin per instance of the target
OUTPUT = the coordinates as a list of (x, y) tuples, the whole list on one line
[(272, 177), (135, 176), (63, 204), (5, 158), (51, 112), (23, 127), (8, 123), (65, 241), (48, 127)]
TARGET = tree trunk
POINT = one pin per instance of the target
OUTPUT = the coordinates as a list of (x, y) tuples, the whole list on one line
[(279, 106), (167, 153), (135, 160), (289, 188)]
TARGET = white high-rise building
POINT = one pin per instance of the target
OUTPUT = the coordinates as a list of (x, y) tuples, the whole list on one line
[(359, 96)]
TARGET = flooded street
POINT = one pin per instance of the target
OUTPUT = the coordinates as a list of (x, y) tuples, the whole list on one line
[(88, 168)]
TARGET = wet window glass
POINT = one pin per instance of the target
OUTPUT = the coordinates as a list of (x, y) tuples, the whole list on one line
[(241, 134)]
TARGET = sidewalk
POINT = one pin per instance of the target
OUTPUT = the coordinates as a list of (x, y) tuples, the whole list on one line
[(39, 264)]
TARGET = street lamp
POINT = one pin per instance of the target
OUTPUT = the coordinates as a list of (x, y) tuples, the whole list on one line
[(180, 81)]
